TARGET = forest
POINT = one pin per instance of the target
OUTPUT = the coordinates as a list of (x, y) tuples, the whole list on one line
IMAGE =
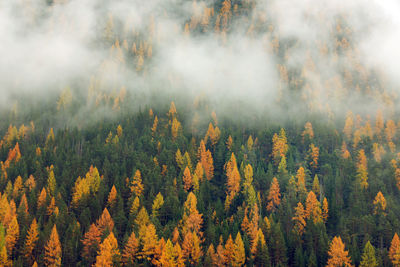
[(195, 133)]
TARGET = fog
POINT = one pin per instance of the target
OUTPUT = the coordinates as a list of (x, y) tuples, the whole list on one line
[(271, 55)]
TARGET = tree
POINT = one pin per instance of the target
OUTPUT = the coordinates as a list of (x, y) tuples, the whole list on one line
[(112, 197), (239, 256), (338, 256), (315, 186), (52, 254), (368, 258), (362, 172), (348, 126), (108, 254), (91, 242), (175, 128), (394, 248), (30, 241), (12, 235), (157, 204), (313, 155), (136, 184), (105, 223), (51, 183), (131, 249), (148, 240), (274, 196), (191, 249), (301, 181), (308, 131), (167, 257), (299, 219), (4, 261), (229, 248), (187, 179), (279, 146), (233, 180), (192, 219), (325, 210), (379, 203), (313, 208)]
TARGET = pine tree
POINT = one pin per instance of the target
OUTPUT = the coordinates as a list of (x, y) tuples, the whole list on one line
[(52, 255)]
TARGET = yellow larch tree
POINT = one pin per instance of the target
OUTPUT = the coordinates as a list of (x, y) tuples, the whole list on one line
[(338, 256), (238, 255), (30, 241), (131, 249), (313, 208), (52, 254), (379, 203), (136, 184), (274, 196), (299, 219), (108, 254)]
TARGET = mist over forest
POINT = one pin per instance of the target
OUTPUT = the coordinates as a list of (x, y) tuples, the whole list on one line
[(199, 133)]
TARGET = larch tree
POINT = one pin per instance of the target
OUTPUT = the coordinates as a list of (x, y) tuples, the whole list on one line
[(338, 256), (325, 210), (379, 203), (112, 197), (105, 223), (348, 125), (313, 153), (238, 255), (279, 146), (394, 250), (136, 184), (191, 249), (108, 254), (301, 181), (157, 204), (148, 240), (229, 248), (362, 172), (12, 235), (187, 179), (131, 249), (91, 242), (31, 239), (233, 180), (313, 208), (52, 254), (274, 196), (299, 219)]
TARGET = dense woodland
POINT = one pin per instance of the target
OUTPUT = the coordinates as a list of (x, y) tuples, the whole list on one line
[(93, 176)]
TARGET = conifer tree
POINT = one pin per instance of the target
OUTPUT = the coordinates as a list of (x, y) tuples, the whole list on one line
[(52, 255)]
